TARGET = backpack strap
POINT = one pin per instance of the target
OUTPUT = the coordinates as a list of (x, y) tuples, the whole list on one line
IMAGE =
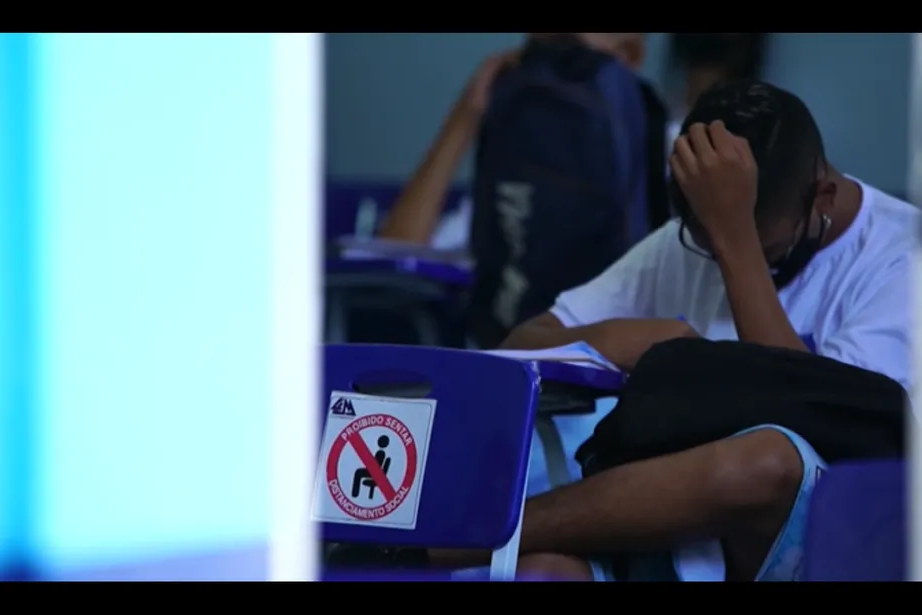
[(658, 210), (620, 88)]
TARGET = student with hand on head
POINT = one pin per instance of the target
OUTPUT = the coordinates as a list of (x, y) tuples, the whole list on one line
[(773, 243), (417, 214)]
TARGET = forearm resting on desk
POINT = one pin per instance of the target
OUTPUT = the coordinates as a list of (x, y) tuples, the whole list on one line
[(622, 340), (416, 212)]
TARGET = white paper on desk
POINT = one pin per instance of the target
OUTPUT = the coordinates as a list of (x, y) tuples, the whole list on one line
[(579, 353), (371, 248)]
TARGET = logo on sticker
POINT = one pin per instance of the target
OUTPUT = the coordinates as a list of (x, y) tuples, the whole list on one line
[(342, 407)]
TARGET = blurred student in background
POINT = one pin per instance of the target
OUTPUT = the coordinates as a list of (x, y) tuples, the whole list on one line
[(697, 61), (701, 59), (417, 216)]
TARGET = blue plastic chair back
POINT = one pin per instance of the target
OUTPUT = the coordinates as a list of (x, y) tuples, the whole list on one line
[(856, 528), (472, 494)]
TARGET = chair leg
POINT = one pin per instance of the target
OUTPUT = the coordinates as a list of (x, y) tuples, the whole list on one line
[(337, 328), (426, 327), (505, 559), (554, 455)]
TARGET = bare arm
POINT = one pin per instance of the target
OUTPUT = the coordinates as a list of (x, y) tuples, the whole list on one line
[(621, 340), (416, 213), (757, 311)]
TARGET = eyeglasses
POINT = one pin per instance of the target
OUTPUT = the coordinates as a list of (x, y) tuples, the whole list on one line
[(686, 235), (688, 242)]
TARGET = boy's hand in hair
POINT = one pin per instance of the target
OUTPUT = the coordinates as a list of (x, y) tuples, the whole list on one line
[(719, 176)]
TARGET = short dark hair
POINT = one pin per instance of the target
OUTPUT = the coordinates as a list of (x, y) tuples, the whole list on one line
[(782, 134), (740, 54)]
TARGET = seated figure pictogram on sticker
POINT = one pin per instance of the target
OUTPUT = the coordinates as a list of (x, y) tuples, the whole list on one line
[(372, 460)]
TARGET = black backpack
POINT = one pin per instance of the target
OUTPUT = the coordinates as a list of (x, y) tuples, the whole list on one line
[(560, 183), (689, 392)]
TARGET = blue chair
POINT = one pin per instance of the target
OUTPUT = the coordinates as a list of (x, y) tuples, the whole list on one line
[(407, 281), (405, 286), (473, 491), (856, 527)]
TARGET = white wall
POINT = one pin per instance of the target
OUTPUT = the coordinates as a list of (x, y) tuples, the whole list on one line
[(15, 325), (154, 289), (388, 93)]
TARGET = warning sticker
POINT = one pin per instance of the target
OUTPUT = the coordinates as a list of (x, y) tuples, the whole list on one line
[(373, 458)]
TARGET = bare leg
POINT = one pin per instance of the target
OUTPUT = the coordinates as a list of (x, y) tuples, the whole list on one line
[(553, 567), (739, 490)]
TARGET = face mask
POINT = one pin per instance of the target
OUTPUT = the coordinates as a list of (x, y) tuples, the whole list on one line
[(799, 256), (786, 269)]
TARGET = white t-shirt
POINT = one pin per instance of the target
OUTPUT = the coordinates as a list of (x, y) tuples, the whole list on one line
[(853, 299)]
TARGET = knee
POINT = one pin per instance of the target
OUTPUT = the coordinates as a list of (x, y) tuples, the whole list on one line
[(759, 471), (553, 567)]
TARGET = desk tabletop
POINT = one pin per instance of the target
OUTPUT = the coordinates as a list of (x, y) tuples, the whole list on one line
[(573, 365), (440, 272), (377, 257), (602, 381)]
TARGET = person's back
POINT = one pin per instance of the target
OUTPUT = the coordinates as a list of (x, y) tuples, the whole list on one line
[(560, 186)]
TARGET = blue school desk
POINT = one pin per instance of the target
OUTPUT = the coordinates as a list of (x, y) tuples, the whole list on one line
[(476, 463), (568, 390), (389, 278)]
